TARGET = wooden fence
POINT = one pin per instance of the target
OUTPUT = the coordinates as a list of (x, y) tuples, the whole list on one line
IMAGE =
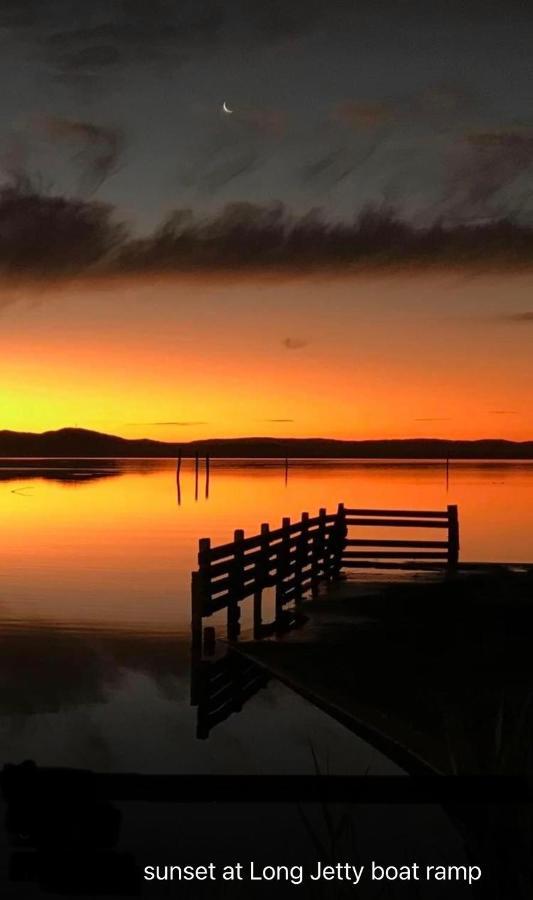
[(292, 560), (384, 553), (295, 558)]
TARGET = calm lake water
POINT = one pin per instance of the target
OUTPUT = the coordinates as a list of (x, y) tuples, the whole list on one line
[(94, 602)]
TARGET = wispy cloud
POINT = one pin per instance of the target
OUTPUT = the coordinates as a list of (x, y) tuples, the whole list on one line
[(488, 163), (184, 424), (433, 419), (503, 412), (83, 41), (294, 343), (278, 420), (525, 317), (50, 235), (97, 148)]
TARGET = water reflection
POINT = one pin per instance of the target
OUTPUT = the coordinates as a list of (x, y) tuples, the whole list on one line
[(71, 471), (95, 600), (92, 543), (117, 701)]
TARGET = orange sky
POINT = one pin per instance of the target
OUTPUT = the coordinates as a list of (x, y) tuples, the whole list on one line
[(368, 356)]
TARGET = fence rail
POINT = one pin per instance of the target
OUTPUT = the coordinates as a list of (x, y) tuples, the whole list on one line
[(408, 553)]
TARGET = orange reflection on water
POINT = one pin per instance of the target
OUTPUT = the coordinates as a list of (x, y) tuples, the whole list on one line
[(117, 551)]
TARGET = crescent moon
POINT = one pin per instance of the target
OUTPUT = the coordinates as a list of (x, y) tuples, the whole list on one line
[(226, 108)]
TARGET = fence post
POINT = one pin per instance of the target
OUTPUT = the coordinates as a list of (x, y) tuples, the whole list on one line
[(453, 536), (237, 578), (338, 538), (261, 574), (199, 590), (301, 559), (318, 561), (196, 470), (196, 611), (207, 469), (282, 570), (196, 637), (199, 582)]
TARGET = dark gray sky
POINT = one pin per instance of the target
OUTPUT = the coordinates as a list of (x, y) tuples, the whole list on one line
[(424, 105)]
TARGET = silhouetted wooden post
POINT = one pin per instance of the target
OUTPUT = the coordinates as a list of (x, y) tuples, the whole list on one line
[(196, 636), (447, 472), (282, 569), (261, 574), (318, 552), (338, 536), (196, 468), (286, 470), (301, 558), (237, 578), (207, 478), (178, 473), (199, 585), (453, 536), (197, 604), (204, 565)]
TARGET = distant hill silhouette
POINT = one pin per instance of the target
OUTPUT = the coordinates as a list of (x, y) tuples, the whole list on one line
[(79, 443)]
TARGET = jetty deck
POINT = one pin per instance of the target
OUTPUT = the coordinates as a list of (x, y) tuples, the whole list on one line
[(435, 672), (429, 659)]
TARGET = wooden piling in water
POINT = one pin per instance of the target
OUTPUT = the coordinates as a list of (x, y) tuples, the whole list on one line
[(261, 576), (318, 552), (199, 583), (337, 542), (207, 469), (237, 586), (453, 535), (196, 473), (282, 566), (300, 563), (178, 473)]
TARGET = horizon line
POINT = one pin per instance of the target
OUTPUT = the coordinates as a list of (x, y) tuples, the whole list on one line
[(358, 440)]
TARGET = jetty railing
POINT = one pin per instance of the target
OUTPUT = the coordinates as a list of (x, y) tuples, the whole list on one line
[(292, 560), (385, 553), (296, 557)]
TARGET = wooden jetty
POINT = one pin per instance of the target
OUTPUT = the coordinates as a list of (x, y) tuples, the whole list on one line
[(409, 653)]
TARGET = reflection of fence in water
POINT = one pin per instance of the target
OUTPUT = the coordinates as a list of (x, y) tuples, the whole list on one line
[(222, 687)]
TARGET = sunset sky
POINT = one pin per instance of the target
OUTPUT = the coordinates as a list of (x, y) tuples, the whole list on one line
[(336, 106), (369, 356)]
